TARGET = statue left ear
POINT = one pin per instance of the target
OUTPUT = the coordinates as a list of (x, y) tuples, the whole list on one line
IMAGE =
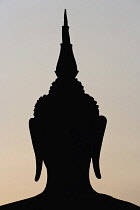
[(96, 145), (35, 136)]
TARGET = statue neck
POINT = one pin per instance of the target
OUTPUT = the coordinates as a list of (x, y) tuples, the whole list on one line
[(70, 181)]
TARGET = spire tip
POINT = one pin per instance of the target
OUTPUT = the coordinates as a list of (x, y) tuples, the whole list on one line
[(65, 18)]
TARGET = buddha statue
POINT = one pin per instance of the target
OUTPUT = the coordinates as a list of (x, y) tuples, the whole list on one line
[(67, 133)]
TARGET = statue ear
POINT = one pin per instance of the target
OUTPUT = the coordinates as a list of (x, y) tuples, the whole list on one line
[(35, 136), (96, 145)]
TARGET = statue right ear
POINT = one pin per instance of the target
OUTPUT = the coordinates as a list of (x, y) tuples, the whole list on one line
[(35, 136), (97, 144)]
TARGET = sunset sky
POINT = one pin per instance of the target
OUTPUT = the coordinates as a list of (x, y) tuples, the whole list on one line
[(106, 42)]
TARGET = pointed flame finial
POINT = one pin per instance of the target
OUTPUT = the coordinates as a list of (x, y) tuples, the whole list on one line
[(66, 65), (65, 18)]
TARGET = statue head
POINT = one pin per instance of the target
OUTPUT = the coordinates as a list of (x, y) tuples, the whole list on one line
[(66, 128)]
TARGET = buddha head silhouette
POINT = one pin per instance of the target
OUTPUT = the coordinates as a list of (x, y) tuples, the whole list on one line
[(67, 130)]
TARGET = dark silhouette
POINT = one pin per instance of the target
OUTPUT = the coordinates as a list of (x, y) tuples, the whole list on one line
[(67, 132)]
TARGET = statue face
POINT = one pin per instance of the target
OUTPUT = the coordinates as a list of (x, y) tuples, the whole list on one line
[(55, 147)]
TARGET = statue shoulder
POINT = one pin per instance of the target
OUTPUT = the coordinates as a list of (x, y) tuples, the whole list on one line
[(113, 203), (30, 203)]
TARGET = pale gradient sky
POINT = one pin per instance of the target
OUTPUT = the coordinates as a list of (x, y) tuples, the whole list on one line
[(106, 41)]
